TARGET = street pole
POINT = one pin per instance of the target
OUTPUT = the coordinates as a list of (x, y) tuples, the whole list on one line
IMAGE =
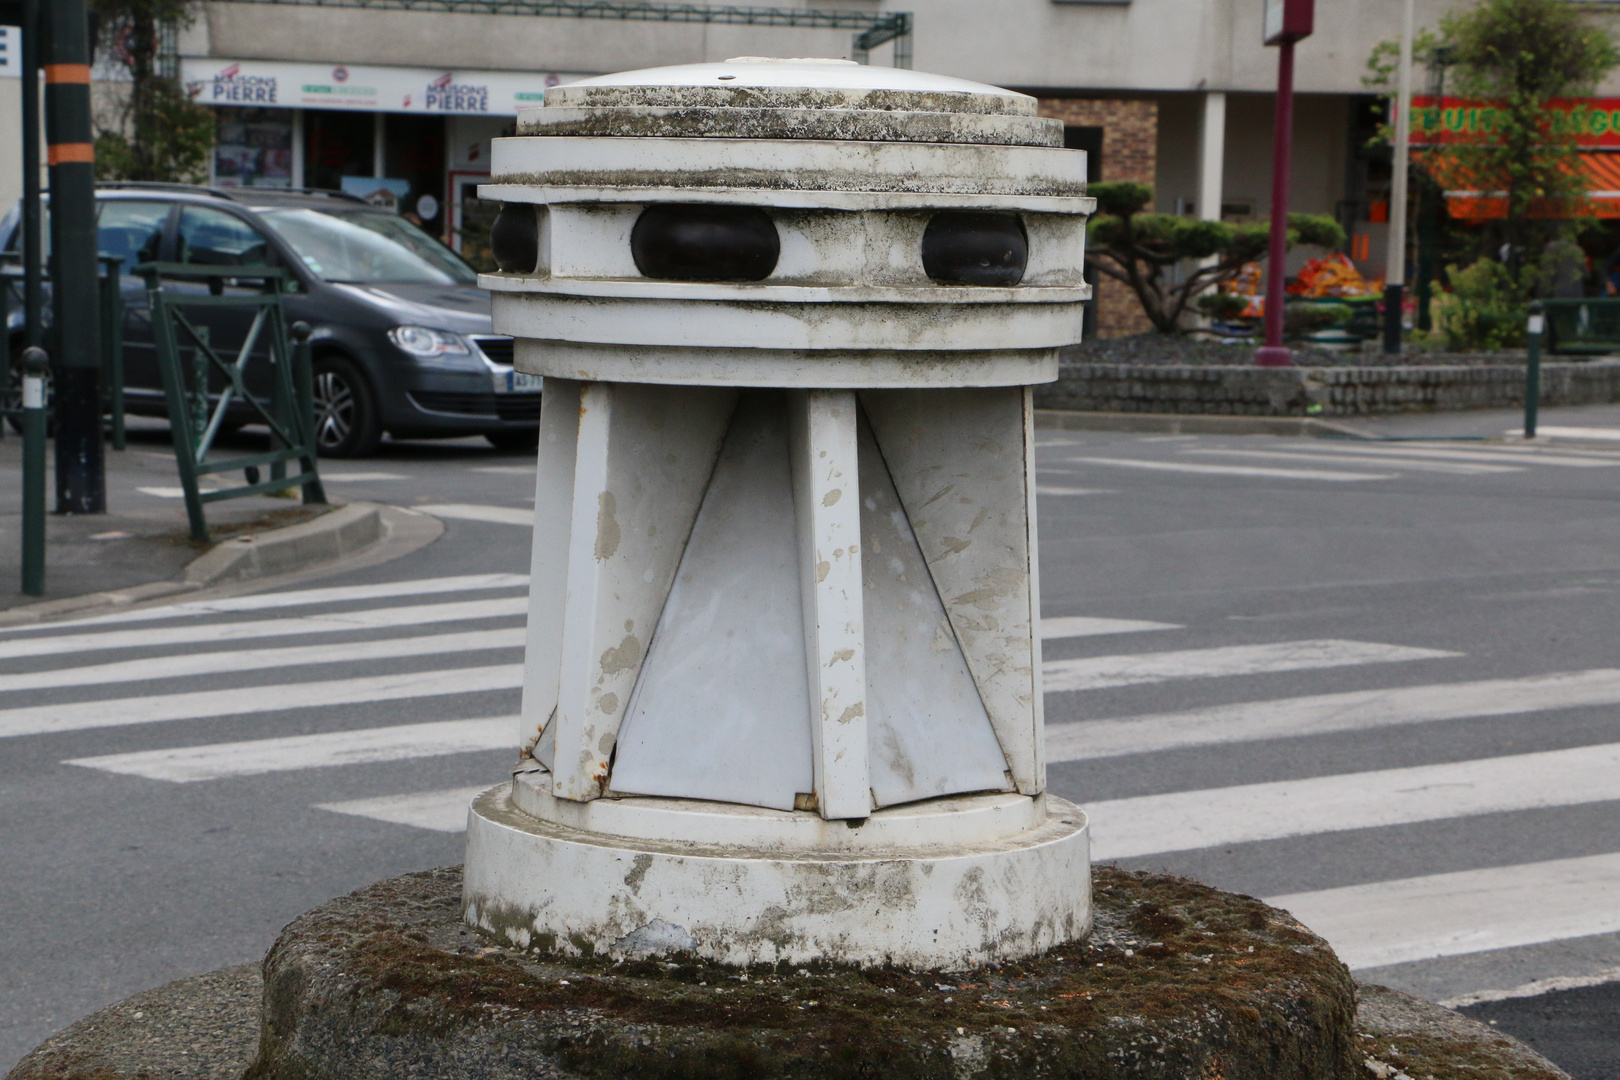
[(1286, 22), (33, 509), (32, 251), (1395, 258), (1534, 327), (81, 482)]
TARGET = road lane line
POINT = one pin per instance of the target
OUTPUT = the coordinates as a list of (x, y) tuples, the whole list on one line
[(330, 623), (1604, 433), (441, 811), (294, 598), (1492, 456), (1503, 907), (220, 761), (500, 515), (1233, 470), (87, 715), (1073, 626), (1249, 813), (1322, 714), (1058, 492), (194, 664), (1414, 463), (1099, 672), (360, 477)]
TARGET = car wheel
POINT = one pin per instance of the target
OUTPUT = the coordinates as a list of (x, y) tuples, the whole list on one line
[(346, 421), (514, 440)]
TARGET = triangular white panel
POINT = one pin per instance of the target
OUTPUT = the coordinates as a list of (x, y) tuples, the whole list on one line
[(722, 708), (927, 731), (959, 461)]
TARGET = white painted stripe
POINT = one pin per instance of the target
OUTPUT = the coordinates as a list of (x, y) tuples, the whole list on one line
[(1604, 433), (1048, 489), (328, 623), (1187, 820), (1253, 721), (215, 663), (1098, 672), (1071, 626), (1417, 464), (441, 811), (500, 515), (169, 492), (1531, 456), (296, 598), (80, 716), (1535, 988), (1233, 470), (1504, 907), (506, 470), (360, 477), (219, 761)]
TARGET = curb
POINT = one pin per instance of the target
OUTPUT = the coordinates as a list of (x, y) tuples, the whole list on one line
[(1192, 424), (342, 533)]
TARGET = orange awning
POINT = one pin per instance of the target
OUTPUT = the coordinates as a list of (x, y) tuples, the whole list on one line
[(1602, 172)]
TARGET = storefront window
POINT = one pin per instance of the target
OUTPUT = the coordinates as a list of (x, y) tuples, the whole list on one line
[(337, 144), (253, 147), (413, 151)]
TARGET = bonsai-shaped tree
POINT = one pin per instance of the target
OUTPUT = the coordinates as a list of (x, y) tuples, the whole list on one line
[(1141, 249)]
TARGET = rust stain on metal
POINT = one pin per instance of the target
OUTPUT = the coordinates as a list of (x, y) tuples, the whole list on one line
[(832, 496), (624, 657), (854, 712), (607, 526)]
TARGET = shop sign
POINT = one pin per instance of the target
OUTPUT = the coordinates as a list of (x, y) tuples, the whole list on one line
[(369, 89), (1594, 122)]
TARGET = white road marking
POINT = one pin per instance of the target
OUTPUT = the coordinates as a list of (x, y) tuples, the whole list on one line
[(1604, 433), (169, 492), (85, 715), (1409, 462), (1254, 721), (213, 663), (1098, 672), (1535, 988), (219, 761), (1188, 820), (500, 515), (1233, 470), (1072, 626), (1397, 922), (296, 598), (360, 477), (1539, 457), (441, 811), (507, 470), (328, 623), (1048, 489)]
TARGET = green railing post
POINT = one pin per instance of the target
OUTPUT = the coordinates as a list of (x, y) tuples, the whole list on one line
[(1532, 369), (35, 363)]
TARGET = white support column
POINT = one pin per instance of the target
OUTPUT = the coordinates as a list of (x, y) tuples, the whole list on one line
[(645, 454), (298, 149), (827, 505), (1211, 155), (548, 567)]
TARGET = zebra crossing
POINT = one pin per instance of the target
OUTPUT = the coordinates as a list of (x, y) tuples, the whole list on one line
[(1320, 460), (457, 693)]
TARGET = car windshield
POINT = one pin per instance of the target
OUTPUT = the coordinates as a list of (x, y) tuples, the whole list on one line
[(367, 246)]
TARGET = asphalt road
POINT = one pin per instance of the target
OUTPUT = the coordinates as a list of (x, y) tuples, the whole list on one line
[(1377, 684)]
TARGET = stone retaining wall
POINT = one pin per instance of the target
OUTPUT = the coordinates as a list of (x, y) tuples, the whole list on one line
[(1344, 391)]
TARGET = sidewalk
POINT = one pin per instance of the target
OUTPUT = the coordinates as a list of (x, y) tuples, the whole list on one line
[(1597, 425), (144, 536)]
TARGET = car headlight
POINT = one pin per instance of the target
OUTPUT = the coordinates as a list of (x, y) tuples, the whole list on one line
[(432, 346)]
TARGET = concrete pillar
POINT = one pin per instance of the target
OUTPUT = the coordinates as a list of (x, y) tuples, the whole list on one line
[(782, 694), (1211, 155)]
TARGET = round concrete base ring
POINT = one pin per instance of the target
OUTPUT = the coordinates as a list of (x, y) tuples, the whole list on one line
[(946, 906)]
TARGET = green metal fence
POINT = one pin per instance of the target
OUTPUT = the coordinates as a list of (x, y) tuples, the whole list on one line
[(188, 360)]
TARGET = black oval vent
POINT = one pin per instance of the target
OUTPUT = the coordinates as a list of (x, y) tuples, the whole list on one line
[(975, 247), (514, 239), (674, 242)]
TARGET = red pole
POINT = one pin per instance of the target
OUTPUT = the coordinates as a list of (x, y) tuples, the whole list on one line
[(1273, 353)]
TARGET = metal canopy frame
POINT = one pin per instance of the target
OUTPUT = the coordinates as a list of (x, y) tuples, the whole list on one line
[(873, 28)]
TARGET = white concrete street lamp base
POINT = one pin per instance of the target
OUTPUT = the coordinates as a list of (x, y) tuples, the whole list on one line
[(953, 884)]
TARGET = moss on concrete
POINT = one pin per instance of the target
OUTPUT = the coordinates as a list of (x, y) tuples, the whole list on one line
[(1178, 980)]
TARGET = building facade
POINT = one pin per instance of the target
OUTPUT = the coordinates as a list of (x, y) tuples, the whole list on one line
[(398, 104)]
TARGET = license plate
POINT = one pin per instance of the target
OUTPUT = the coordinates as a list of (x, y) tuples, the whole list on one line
[(517, 382)]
